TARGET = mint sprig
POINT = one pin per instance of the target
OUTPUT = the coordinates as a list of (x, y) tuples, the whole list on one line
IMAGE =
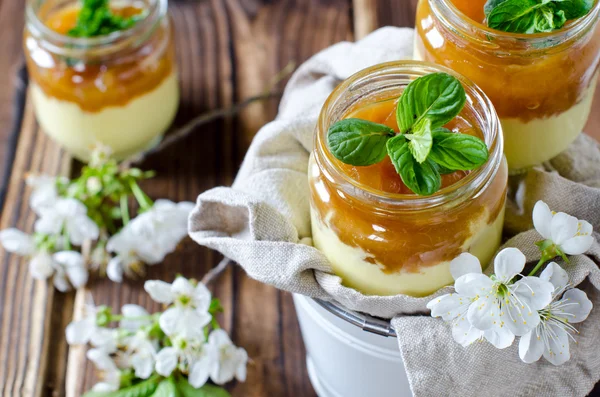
[(423, 150), (533, 16), (97, 19)]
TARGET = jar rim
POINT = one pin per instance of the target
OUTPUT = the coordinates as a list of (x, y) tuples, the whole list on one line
[(74, 47), (465, 188), (446, 12)]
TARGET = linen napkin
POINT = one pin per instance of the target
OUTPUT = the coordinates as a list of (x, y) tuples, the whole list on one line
[(263, 223)]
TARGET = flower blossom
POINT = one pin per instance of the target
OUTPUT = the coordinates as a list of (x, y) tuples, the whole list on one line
[(550, 337), (139, 348), (231, 360), (188, 313), (70, 216), (109, 371), (190, 355), (563, 233)]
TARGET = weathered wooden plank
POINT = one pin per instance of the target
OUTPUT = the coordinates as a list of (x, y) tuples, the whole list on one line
[(26, 329)]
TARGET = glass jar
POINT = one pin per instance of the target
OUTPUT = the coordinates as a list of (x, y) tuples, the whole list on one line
[(542, 85), (398, 243), (119, 90)]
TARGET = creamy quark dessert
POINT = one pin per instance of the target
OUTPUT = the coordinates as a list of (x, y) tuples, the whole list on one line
[(102, 73), (405, 176), (536, 60)]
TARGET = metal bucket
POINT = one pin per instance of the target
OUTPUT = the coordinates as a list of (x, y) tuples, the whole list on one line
[(350, 354)]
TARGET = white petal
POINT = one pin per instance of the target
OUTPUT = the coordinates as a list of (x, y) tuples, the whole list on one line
[(542, 217), (484, 312), (49, 223), (105, 339), (114, 270), (500, 337), (78, 276), (531, 346), (219, 338), (200, 370), (184, 322), (60, 281), (563, 227), (133, 317), (80, 332), (201, 298), (143, 365), (473, 284), (576, 306), (449, 306), (463, 264), (82, 228), (103, 387), (555, 275), (41, 266), (166, 361), (69, 259), (558, 345), (579, 244), (508, 263), (464, 333), (182, 286), (519, 319), (70, 207), (159, 291), (15, 241), (101, 360), (533, 292), (242, 361)]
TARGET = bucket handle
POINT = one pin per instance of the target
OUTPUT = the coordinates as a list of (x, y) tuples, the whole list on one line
[(364, 321)]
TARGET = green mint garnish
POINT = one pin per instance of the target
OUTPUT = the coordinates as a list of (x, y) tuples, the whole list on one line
[(96, 19), (423, 149), (533, 16)]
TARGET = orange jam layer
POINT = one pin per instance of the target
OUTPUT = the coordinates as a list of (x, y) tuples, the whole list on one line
[(530, 86), (100, 81), (409, 240)]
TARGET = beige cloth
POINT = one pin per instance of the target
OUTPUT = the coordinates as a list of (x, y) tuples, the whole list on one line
[(263, 224)]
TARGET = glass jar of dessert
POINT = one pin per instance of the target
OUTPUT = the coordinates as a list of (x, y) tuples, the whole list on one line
[(379, 236), (91, 84), (541, 84)]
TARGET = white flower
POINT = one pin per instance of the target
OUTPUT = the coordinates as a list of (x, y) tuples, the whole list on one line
[(44, 193), (109, 371), (551, 336), (70, 215), (231, 361), (132, 252), (191, 356), (568, 234), (189, 311), (165, 224), (90, 328), (140, 349), (69, 265), (453, 308)]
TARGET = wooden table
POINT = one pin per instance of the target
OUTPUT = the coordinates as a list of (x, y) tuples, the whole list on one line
[(228, 50)]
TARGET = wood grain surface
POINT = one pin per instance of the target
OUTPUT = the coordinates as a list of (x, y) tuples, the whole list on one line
[(228, 50)]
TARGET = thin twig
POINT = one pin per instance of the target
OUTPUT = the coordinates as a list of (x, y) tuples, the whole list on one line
[(216, 271)]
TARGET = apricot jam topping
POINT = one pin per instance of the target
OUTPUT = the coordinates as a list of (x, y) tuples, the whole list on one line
[(100, 81), (410, 240), (520, 86)]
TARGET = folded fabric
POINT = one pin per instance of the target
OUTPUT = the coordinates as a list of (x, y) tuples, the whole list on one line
[(263, 223)]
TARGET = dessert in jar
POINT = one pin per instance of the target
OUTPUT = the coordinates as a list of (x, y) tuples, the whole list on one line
[(380, 237), (541, 84), (116, 86)]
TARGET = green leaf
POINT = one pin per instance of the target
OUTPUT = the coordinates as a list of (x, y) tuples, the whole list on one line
[(142, 389), (490, 5), (457, 151), (420, 141), (534, 16), (188, 390), (423, 179), (437, 97), (167, 388), (358, 142)]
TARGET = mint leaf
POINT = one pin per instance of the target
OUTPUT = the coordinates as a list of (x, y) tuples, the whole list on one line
[(420, 141), (188, 390), (533, 16), (167, 388), (358, 142), (423, 179), (437, 97), (142, 389), (574, 9), (457, 151), (96, 19)]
